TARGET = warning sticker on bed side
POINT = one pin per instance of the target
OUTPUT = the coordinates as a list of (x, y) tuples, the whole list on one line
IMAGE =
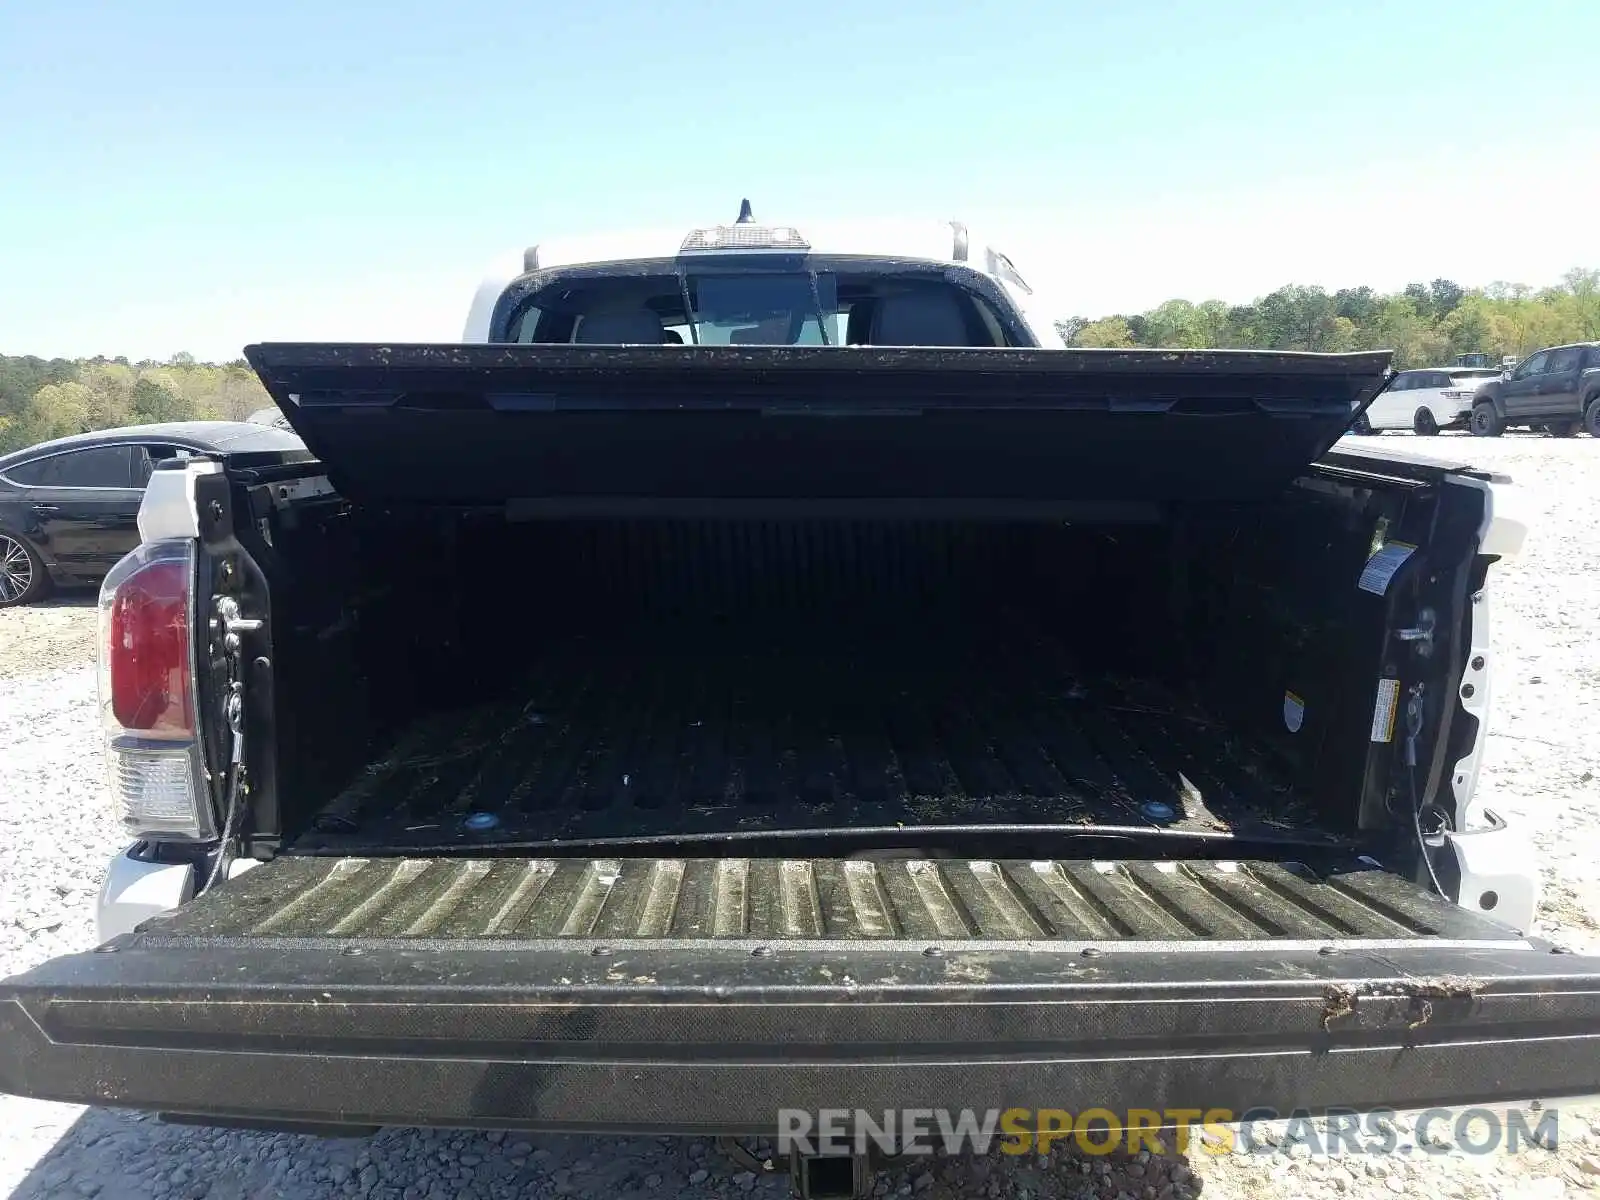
[(1294, 712), (1381, 567), (1383, 711)]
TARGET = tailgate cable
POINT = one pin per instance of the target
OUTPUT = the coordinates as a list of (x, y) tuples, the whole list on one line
[(1413, 731), (232, 624)]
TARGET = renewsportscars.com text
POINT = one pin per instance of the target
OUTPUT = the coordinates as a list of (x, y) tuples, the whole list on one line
[(1215, 1131)]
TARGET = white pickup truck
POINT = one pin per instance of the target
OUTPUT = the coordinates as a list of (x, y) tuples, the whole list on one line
[(756, 673)]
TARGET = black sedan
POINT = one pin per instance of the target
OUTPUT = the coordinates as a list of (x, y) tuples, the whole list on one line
[(68, 508)]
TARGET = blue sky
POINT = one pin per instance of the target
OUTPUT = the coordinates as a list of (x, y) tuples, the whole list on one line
[(198, 176)]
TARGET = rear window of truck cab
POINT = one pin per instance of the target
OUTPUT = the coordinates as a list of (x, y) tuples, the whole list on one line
[(712, 307)]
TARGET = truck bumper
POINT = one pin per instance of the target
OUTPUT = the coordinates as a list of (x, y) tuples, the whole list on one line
[(1497, 871), (137, 888)]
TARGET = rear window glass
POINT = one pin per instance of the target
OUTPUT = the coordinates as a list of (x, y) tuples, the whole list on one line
[(758, 308), (763, 310)]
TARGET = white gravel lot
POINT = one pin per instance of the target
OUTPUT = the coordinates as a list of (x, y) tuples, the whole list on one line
[(56, 834)]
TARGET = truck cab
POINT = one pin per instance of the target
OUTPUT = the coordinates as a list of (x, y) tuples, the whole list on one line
[(749, 283)]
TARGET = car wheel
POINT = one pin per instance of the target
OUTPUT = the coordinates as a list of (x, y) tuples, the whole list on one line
[(1486, 422), (1423, 424), (1591, 418), (22, 574), (1362, 426), (1561, 428)]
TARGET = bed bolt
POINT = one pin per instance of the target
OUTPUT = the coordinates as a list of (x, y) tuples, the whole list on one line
[(1477, 662), (1468, 691), (1092, 952), (108, 948), (601, 951), (761, 952), (1325, 951), (353, 951), (933, 952)]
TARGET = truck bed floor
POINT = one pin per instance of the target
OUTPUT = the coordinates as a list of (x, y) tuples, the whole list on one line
[(671, 731)]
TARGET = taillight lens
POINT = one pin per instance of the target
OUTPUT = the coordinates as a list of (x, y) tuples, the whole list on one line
[(147, 694), (152, 690)]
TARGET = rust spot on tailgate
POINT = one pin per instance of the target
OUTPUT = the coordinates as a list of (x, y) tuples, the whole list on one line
[(1342, 1000)]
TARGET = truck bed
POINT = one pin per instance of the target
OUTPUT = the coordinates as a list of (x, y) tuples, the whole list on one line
[(670, 730)]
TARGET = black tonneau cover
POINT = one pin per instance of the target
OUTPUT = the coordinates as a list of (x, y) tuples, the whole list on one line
[(559, 429)]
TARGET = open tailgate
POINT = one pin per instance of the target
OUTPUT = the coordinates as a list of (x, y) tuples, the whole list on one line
[(705, 995), (563, 429)]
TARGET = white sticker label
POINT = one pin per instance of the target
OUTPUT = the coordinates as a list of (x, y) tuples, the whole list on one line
[(1294, 712), (1381, 567), (1383, 711)]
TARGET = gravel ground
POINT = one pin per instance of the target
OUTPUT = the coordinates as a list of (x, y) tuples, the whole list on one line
[(56, 834)]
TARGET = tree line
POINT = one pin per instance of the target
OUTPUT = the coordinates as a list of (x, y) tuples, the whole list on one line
[(1426, 324), (44, 398)]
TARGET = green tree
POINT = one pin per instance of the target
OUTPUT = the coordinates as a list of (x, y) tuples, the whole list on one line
[(55, 410), (1358, 305), (1111, 333), (154, 401), (1469, 328), (1583, 287), (111, 385), (1339, 335), (1421, 299), (1174, 324), (1443, 296), (1295, 318), (1422, 324), (1213, 324), (21, 377), (1069, 329)]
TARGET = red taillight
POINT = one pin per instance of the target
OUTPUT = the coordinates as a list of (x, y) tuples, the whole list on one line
[(147, 652), (153, 760)]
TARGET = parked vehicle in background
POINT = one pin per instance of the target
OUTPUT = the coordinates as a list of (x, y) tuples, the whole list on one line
[(68, 508), (1426, 401), (1557, 390), (1474, 360)]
